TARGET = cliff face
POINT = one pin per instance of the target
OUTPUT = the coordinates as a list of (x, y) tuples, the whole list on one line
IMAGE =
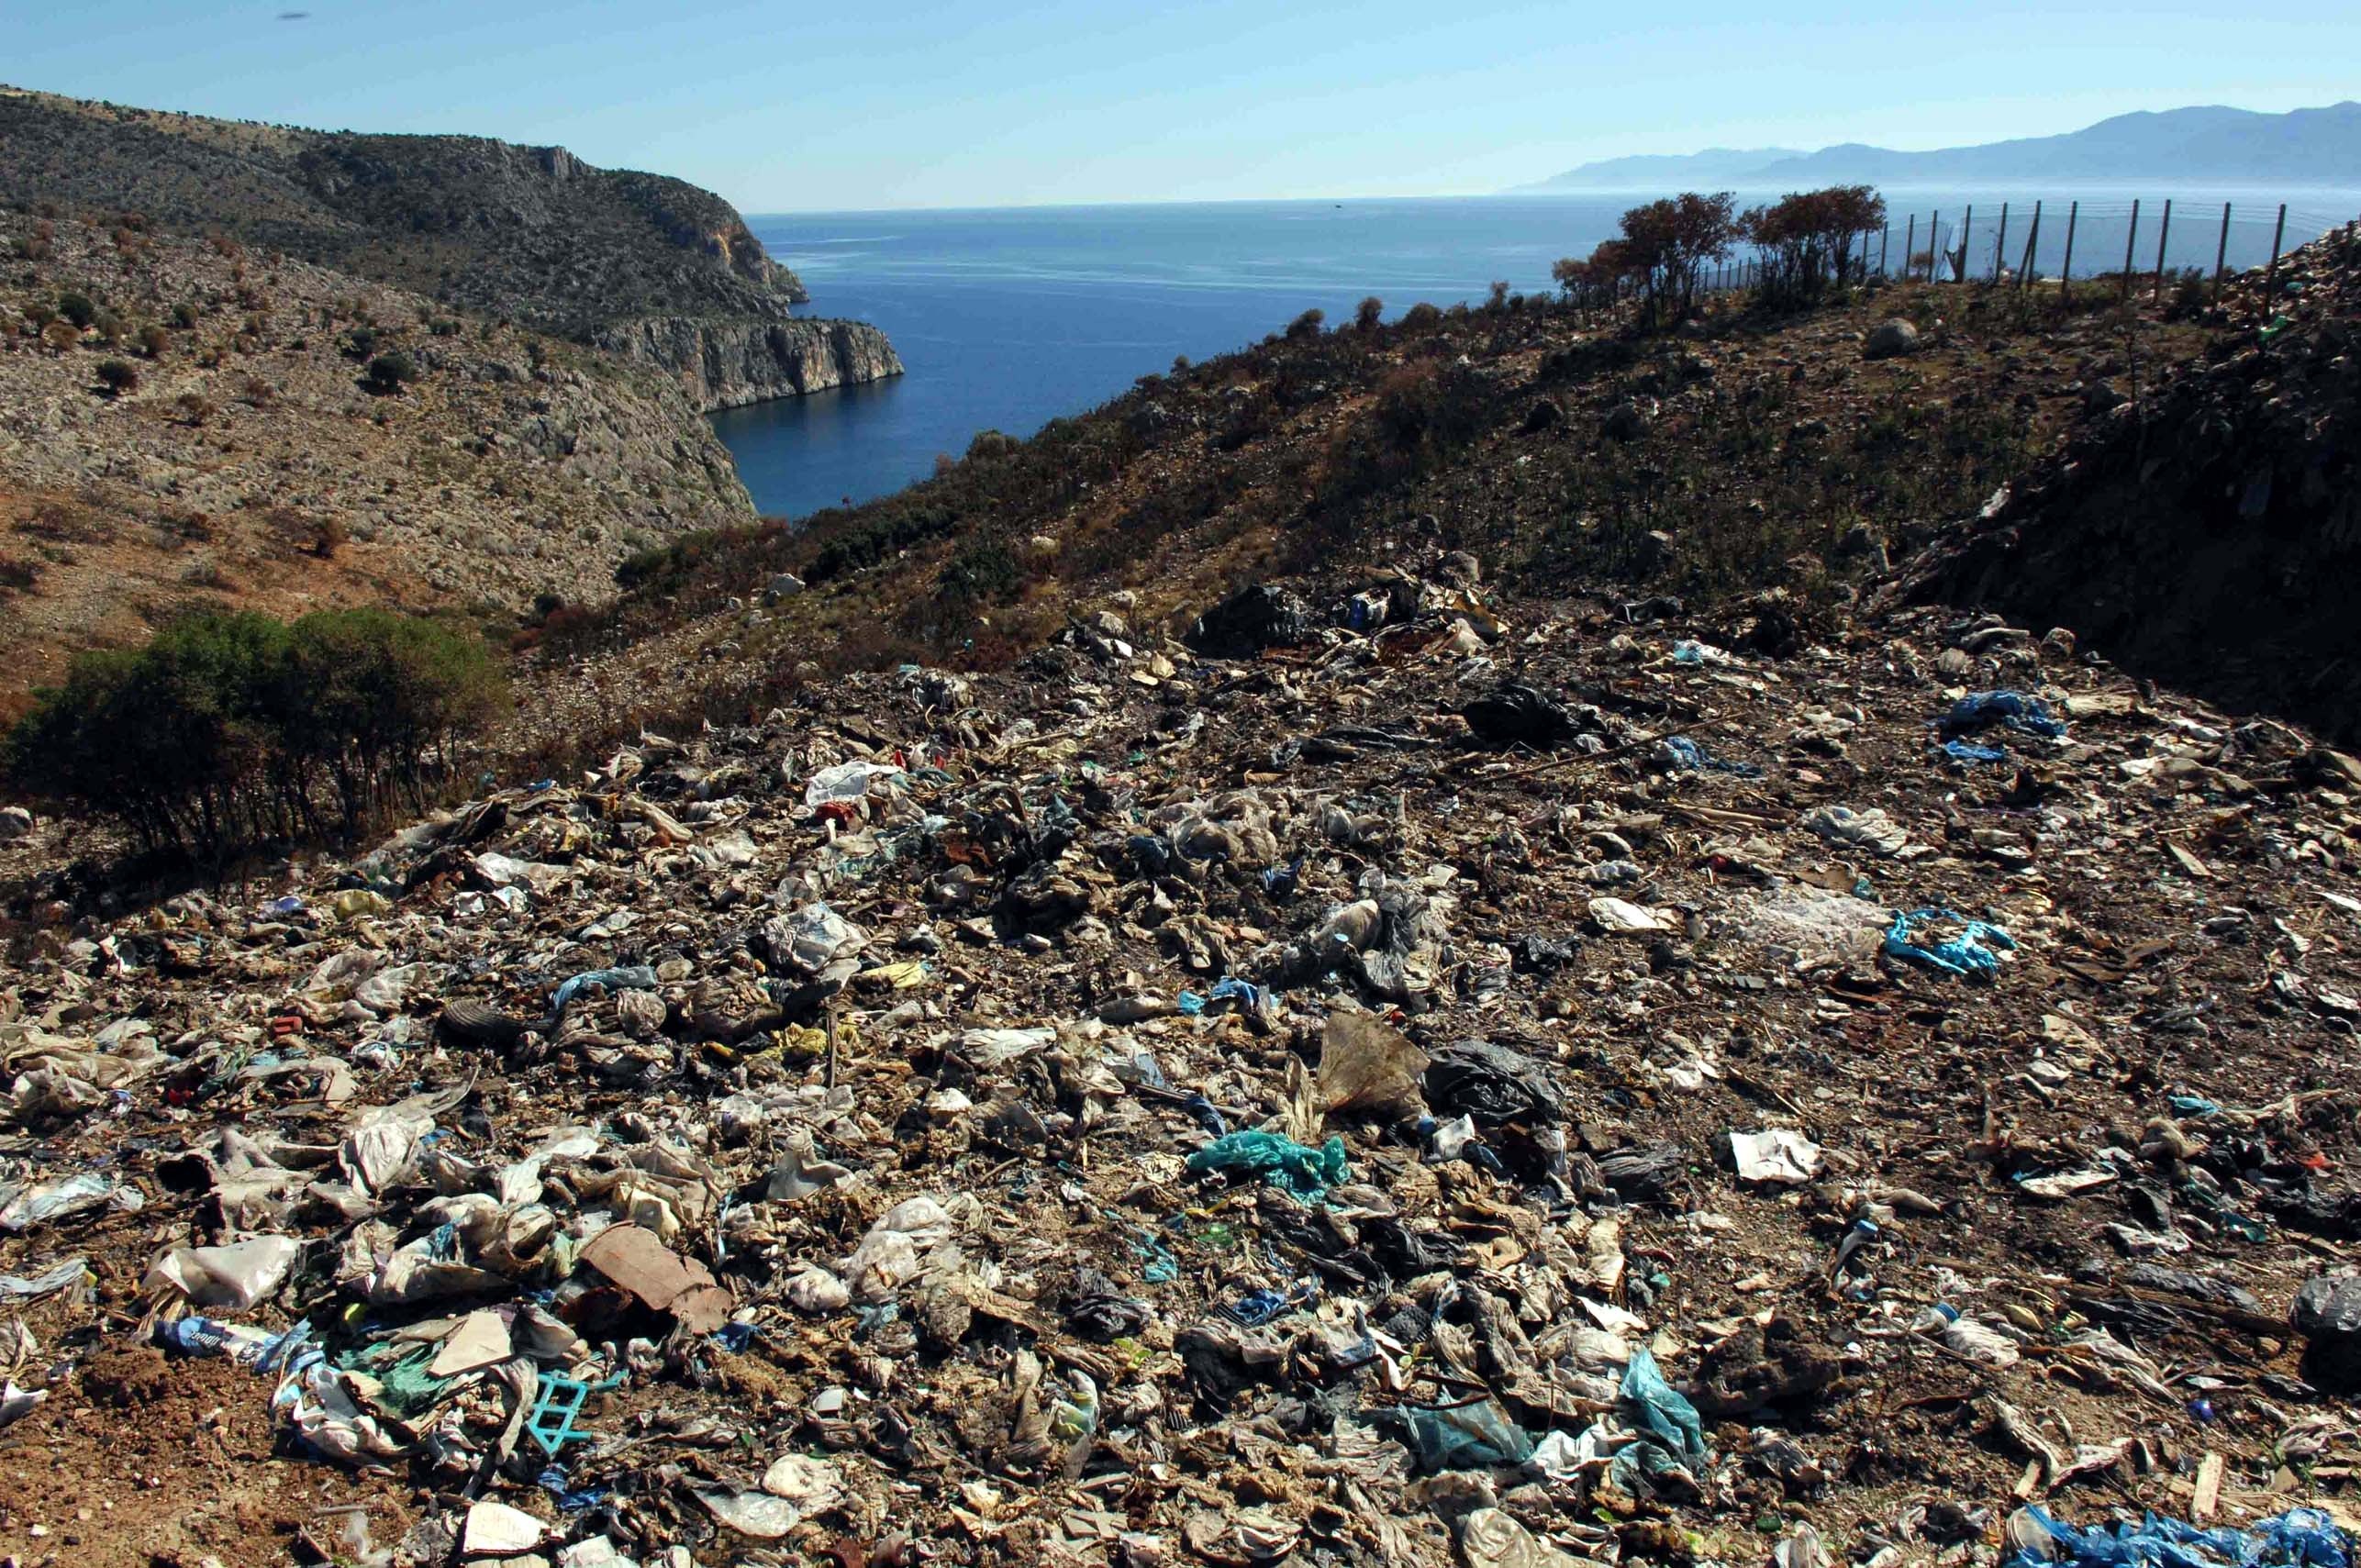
[(531, 234), (726, 364)]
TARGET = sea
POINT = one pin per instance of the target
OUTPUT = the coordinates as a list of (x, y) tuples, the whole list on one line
[(1006, 318)]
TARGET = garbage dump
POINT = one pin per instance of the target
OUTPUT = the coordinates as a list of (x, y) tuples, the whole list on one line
[(1421, 1081)]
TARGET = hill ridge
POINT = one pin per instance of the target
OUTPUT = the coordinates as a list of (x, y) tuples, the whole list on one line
[(639, 263), (2193, 141)]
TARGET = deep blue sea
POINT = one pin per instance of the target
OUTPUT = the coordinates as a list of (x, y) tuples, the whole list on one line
[(1009, 318)]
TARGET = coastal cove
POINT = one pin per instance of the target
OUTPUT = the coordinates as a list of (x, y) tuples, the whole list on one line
[(1011, 318)]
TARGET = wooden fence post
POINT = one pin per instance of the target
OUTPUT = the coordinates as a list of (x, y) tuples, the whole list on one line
[(1884, 240), (1910, 248), (2066, 271), (2163, 232), (1966, 238), (2000, 246), (1933, 240), (2032, 238), (2271, 275), (2131, 237), (2220, 251)]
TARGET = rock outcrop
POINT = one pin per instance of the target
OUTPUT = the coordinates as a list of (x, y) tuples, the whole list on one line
[(530, 235), (724, 364)]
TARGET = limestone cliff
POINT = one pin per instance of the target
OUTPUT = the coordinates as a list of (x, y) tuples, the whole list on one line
[(642, 264), (723, 363)]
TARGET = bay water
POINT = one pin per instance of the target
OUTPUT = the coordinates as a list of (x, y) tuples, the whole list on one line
[(1006, 318)]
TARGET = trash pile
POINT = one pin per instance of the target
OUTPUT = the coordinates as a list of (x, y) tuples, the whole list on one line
[(1431, 1080)]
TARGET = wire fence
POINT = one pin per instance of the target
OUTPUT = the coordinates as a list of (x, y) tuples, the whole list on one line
[(2148, 245)]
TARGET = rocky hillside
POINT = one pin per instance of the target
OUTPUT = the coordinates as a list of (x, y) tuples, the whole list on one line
[(248, 455), (637, 262), (1747, 453), (2209, 531)]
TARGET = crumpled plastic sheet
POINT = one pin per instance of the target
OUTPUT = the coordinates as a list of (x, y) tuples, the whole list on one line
[(2300, 1538), (2020, 711), (1465, 1437), (1686, 756), (1298, 1168), (1963, 954), (846, 781), (1968, 751), (1660, 1410), (22, 1207), (32, 1288)]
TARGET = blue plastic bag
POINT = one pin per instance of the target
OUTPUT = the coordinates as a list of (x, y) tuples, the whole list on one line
[(2019, 711), (1298, 1168), (1963, 954), (1968, 751), (1660, 1410), (2300, 1538)]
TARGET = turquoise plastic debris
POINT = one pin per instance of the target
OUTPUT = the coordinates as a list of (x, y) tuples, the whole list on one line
[(1465, 1437), (1661, 1410), (2300, 1538), (1963, 954), (556, 1404), (1159, 1265), (1298, 1168), (1244, 992)]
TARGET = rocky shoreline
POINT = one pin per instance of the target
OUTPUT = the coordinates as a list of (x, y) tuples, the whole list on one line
[(729, 364)]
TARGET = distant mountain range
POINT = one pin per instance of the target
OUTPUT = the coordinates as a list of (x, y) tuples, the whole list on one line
[(2304, 146)]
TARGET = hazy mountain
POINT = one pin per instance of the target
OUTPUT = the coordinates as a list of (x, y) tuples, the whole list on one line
[(1664, 170), (2303, 146)]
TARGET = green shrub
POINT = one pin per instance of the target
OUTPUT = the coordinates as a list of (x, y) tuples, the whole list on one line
[(658, 565), (980, 572), (119, 376), (77, 308), (230, 730), (389, 372)]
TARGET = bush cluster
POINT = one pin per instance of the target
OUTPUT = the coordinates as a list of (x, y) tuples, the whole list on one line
[(1660, 254), (1803, 244), (1805, 241), (230, 730)]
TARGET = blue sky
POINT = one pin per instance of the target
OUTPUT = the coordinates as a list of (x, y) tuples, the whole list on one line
[(787, 106)]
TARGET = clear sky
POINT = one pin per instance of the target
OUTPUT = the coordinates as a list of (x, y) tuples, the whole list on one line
[(792, 104)]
